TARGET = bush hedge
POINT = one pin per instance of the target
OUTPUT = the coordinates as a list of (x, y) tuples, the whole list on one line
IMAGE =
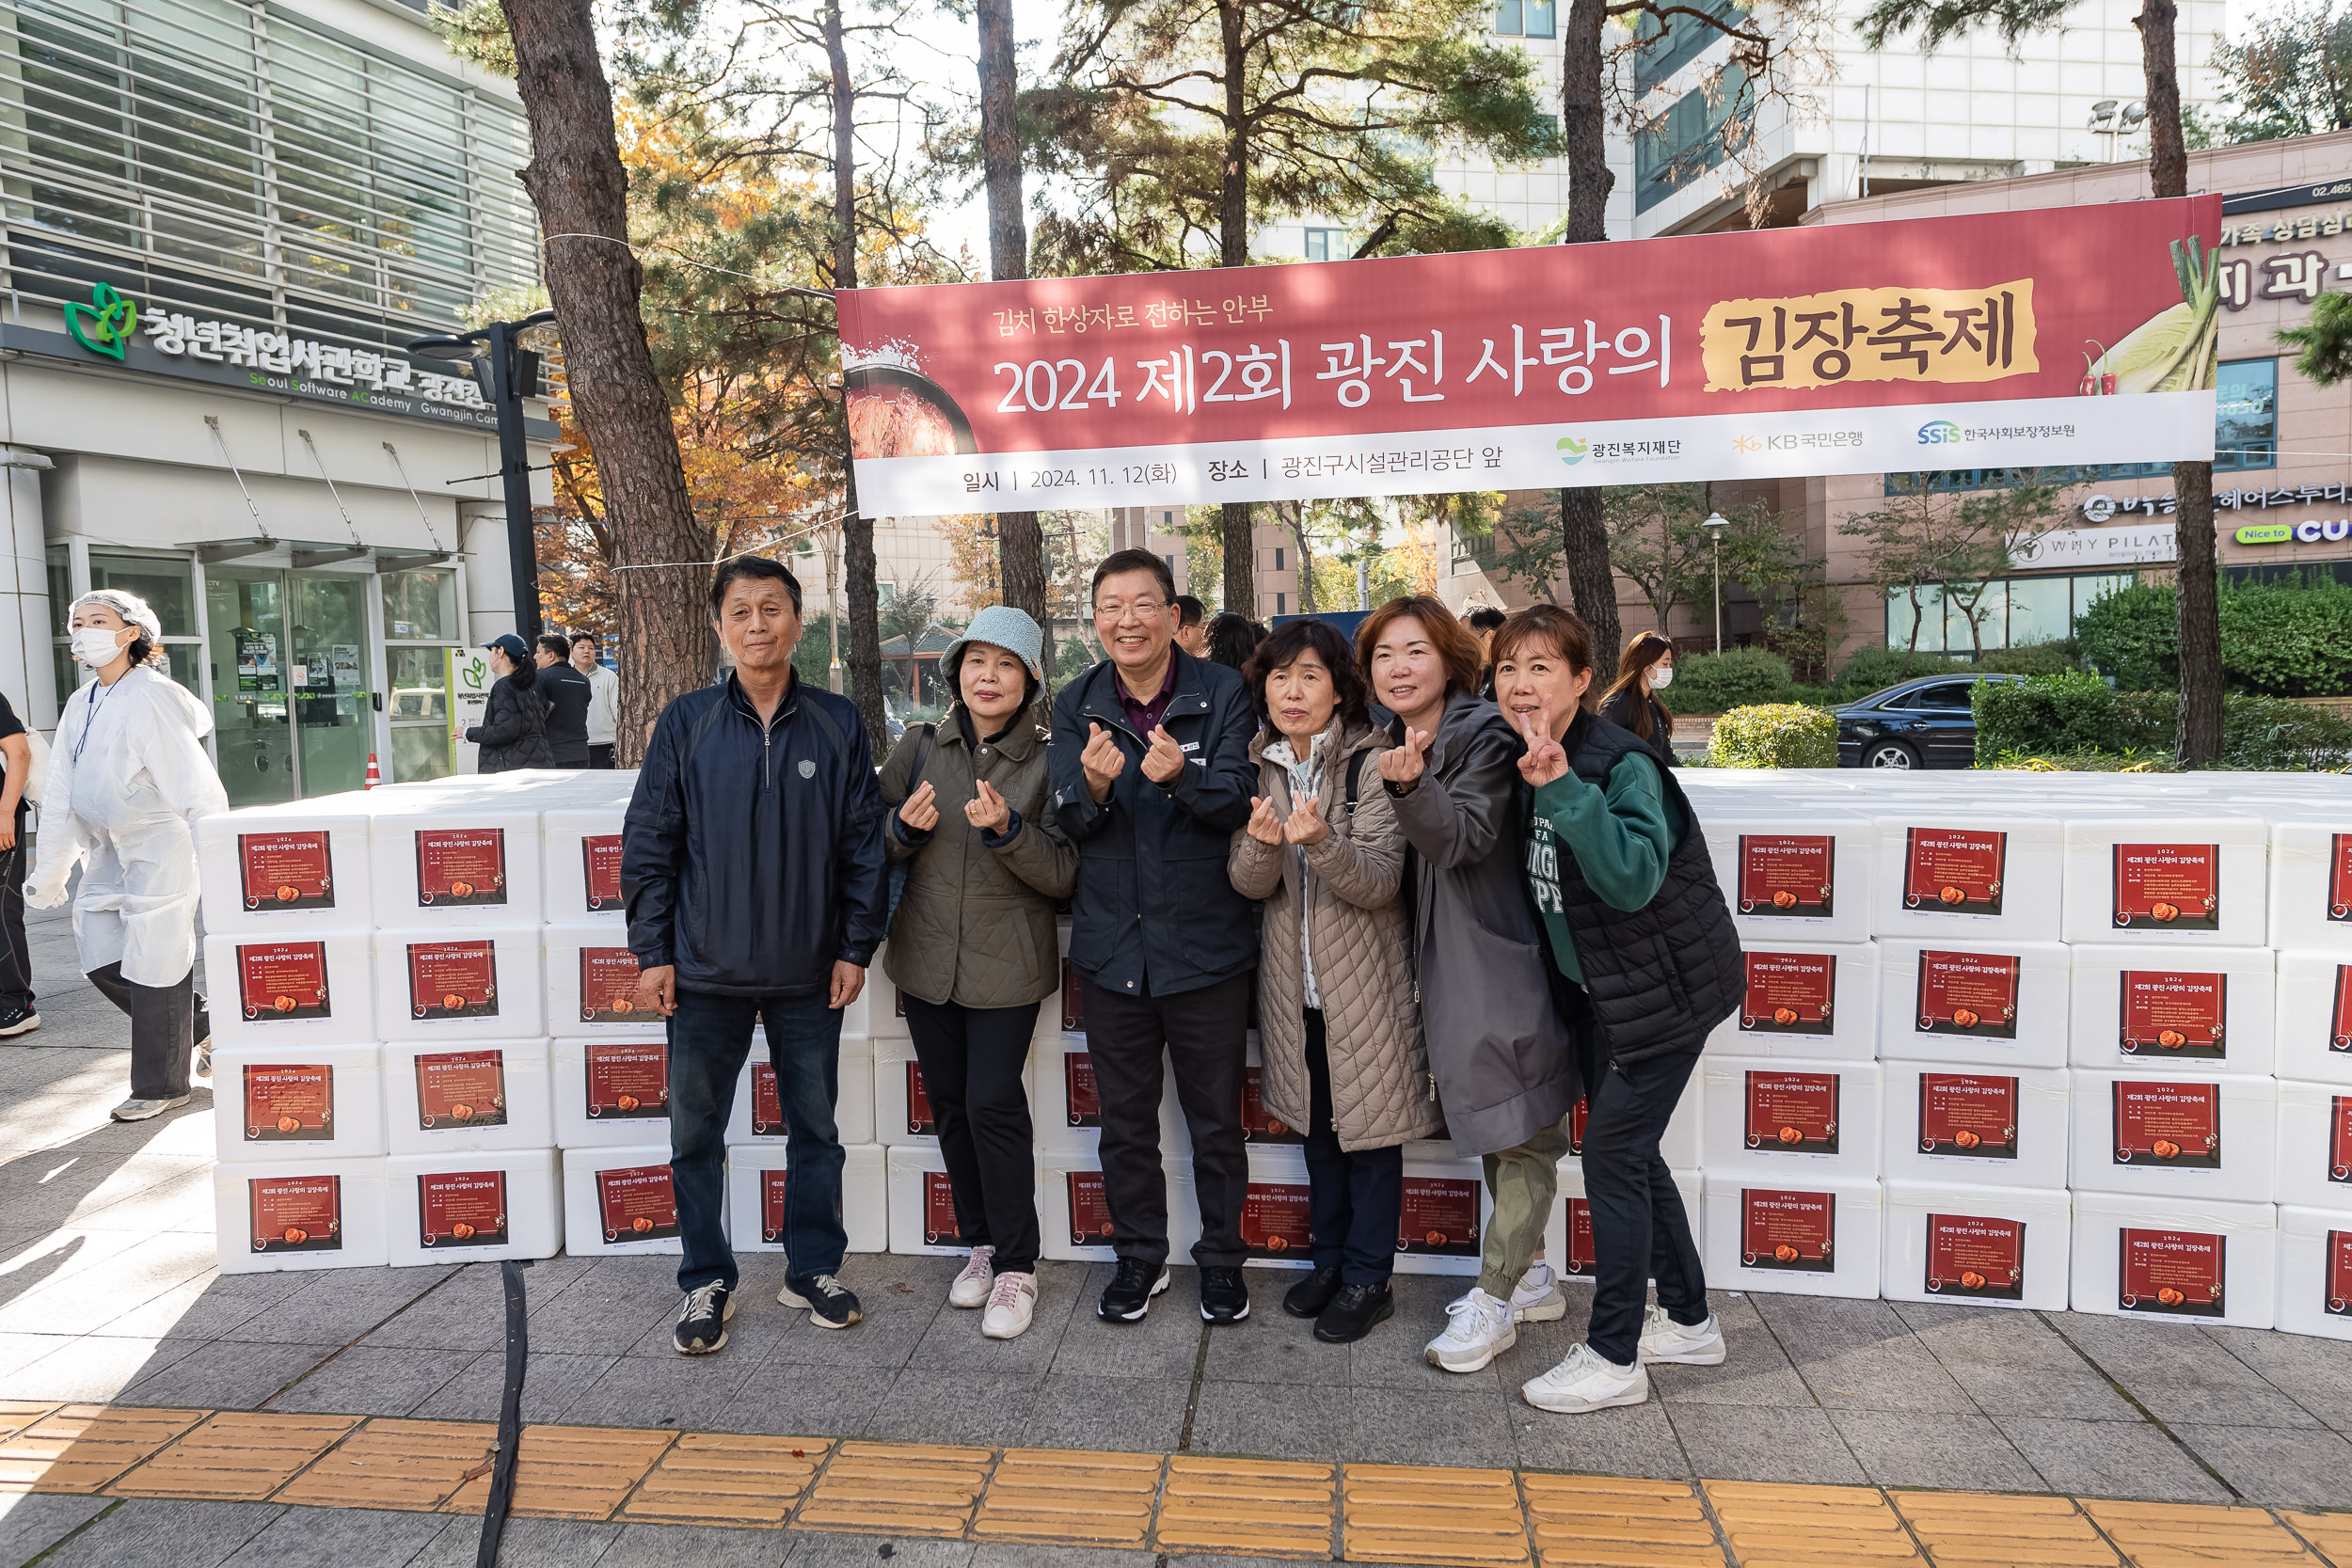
[(1774, 734), (1717, 683), (2078, 714), (2287, 639)]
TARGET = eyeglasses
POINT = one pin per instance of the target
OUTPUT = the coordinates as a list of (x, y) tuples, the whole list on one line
[(1143, 609)]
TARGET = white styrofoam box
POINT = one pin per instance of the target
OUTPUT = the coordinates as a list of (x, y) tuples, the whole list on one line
[(2314, 1272), (2170, 875), (2310, 883), (1442, 1227), (1075, 1219), (1960, 875), (1975, 1125), (473, 1206), (2174, 1136), (1799, 1235), (1276, 1216), (480, 983), (313, 1214), (449, 1097), (581, 863), (610, 1092), (619, 1200), (1064, 1013), (884, 1014), (1681, 1144), (1805, 999), (1993, 1004), (755, 1186), (757, 1114), (467, 859), (902, 1108), (2186, 1262), (2314, 1145), (2314, 1019), (923, 1204), (1791, 871), (1797, 1120), (2174, 1008), (1568, 1234), (286, 987), (304, 1103), (592, 980), (284, 867), (1978, 1246)]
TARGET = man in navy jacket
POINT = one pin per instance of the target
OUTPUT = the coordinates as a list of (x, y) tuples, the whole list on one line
[(752, 869)]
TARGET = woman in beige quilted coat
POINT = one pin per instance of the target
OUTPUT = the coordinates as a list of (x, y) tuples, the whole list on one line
[(1342, 1039)]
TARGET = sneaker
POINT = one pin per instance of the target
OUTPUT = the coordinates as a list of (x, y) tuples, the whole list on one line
[(1586, 1381), (1128, 1296), (203, 1066), (1684, 1344), (827, 1301), (18, 1020), (972, 1286), (1224, 1299), (1011, 1302), (1310, 1295), (141, 1110), (1354, 1312), (1479, 1330), (701, 1322), (1535, 1299)]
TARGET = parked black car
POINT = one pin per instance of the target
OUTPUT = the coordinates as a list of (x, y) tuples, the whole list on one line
[(1920, 723)]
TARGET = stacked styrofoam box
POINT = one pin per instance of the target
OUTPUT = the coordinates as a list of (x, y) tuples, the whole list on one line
[(2311, 924)]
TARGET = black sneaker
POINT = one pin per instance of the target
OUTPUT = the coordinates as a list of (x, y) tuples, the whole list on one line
[(701, 1322), (1128, 1296), (827, 1301), (1310, 1295), (1224, 1299), (1353, 1312), (18, 1020)]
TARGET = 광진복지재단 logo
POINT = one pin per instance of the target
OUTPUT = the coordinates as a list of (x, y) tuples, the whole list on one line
[(1571, 450)]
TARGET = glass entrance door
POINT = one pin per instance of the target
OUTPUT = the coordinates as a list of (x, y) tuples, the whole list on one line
[(327, 675), (245, 614)]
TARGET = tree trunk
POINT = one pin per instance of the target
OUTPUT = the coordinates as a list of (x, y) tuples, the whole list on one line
[(1019, 547), (577, 187), (1592, 583), (857, 531), (1583, 534), (1241, 548), (1293, 514)]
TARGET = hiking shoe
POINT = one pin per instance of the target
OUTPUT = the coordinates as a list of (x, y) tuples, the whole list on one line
[(1354, 1313), (18, 1020), (143, 1110), (973, 1286), (1011, 1302), (1310, 1295), (828, 1302), (1128, 1296), (1224, 1299), (1535, 1299), (1479, 1330), (1585, 1381), (1685, 1344), (701, 1322)]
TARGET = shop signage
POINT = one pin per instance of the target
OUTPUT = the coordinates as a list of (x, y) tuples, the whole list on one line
[(2312, 531), (2098, 509), (2094, 546)]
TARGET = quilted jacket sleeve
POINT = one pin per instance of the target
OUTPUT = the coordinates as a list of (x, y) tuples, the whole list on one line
[(1366, 866), (1040, 854)]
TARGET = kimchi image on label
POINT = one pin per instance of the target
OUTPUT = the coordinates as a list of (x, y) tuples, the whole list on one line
[(2174, 1136), (2176, 1009), (2314, 1145), (480, 984), (284, 868), (611, 1092), (2310, 884), (1568, 1234), (1963, 876), (2315, 1272), (313, 1214), (1791, 872), (757, 1117), (583, 863), (2153, 877), (304, 1102), (443, 1097), (291, 985), (2313, 1034), (1982, 1246), (1277, 1213), (1805, 999), (473, 1206), (1975, 1125), (1816, 1238), (591, 981), (758, 1186), (1993, 1003), (2189, 1263), (619, 1200), (1076, 1216), (1768, 1115)]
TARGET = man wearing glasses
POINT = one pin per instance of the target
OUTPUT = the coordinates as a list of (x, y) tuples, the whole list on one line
[(1151, 775)]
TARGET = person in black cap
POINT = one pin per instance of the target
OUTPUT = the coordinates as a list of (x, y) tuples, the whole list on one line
[(514, 729)]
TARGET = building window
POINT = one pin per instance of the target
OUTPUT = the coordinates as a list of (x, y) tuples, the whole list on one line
[(1538, 14), (1168, 519), (1670, 43), (1322, 242), (1281, 604), (1278, 558), (1511, 18), (1686, 141), (167, 583), (1171, 564), (2012, 612), (2246, 414)]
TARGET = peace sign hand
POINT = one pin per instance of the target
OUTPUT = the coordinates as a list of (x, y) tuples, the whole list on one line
[(1543, 760), (1401, 765)]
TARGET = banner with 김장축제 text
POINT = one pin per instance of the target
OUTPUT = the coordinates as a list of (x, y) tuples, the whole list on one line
[(2005, 339)]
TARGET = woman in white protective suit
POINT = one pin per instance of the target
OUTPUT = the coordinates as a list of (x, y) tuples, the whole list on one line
[(127, 777)]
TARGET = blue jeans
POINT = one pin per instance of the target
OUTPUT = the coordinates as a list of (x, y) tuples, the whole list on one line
[(709, 1037)]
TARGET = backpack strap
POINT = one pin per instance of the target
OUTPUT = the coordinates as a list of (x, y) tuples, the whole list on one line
[(1355, 772)]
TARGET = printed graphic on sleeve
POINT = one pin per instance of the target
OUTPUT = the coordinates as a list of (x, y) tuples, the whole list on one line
[(461, 1088), (281, 981), (1276, 1220), (1582, 1257), (2339, 878), (1789, 993), (627, 1081), (1089, 1210), (2168, 887), (1074, 1006), (2168, 1124), (1793, 1112), (2179, 1272), (1439, 1217), (296, 1213), (1788, 874), (1082, 1106), (1972, 1255), (608, 985), (2169, 1013), (939, 1210), (772, 1210), (465, 865), (289, 1102), (1969, 1115), (1968, 994), (600, 871), (1258, 1125), (2340, 1017), (637, 1203), (2339, 1138), (463, 1208), (1955, 870), (919, 1118), (1781, 1229), (766, 1104), (2340, 1273), (286, 871), (454, 979)]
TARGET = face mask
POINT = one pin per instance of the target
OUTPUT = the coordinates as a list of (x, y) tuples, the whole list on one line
[(96, 646), (1662, 676)]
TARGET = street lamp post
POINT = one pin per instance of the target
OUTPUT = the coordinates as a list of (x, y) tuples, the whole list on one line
[(1715, 524), (507, 372)]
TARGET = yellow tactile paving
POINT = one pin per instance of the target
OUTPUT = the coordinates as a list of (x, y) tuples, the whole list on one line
[(721, 1478), (1979, 1529), (2198, 1535), (1601, 1522), (1258, 1507), (1772, 1526), (80, 1448), (236, 1456), (396, 1464), (898, 1489), (16, 1415), (1408, 1513), (2330, 1532), (1094, 1499), (571, 1472)]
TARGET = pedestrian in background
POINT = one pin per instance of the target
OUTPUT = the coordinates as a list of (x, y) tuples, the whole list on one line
[(1191, 629), (568, 694), (513, 732), (604, 700), (17, 1011), (1232, 638), (1483, 623), (1647, 669)]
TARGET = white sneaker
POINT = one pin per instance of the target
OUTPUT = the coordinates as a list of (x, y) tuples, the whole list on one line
[(1478, 1331), (972, 1286), (1535, 1299), (1010, 1303), (1685, 1344), (1586, 1381)]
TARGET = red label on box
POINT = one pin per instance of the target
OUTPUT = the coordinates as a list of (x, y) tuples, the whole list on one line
[(2340, 1138), (1789, 993), (1582, 1258), (637, 1203), (600, 870), (2167, 1013), (2340, 1020), (608, 985), (1580, 1115), (2177, 1272), (461, 1209), (1439, 1217), (919, 1118), (2340, 877), (1257, 1126), (771, 1204), (466, 865), (1967, 994), (1276, 1221), (289, 1102), (628, 1082), (1089, 1210), (2339, 1266), (939, 1210), (1081, 1103), (767, 1103), (1781, 1229), (1969, 1255), (2168, 887), (286, 871), (1955, 870), (1787, 874), (278, 981), (2168, 1124), (1970, 1115), (454, 979), (1074, 1006), (461, 1088), (296, 1213), (1793, 1112)]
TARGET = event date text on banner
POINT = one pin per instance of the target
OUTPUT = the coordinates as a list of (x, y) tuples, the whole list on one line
[(1998, 339)]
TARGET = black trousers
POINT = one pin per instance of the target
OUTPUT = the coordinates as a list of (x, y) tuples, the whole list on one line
[(973, 1059), (1202, 1033), (1355, 1199), (166, 1023), (16, 955), (1640, 1229), (600, 753)]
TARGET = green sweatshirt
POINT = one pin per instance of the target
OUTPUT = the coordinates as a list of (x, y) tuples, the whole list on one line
[(1621, 838)]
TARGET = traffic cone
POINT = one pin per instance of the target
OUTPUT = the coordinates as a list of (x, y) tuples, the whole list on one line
[(374, 777)]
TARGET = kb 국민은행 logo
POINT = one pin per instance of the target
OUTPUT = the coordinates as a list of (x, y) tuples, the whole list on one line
[(104, 326)]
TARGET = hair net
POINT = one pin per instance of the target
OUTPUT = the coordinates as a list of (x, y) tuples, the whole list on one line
[(134, 610)]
